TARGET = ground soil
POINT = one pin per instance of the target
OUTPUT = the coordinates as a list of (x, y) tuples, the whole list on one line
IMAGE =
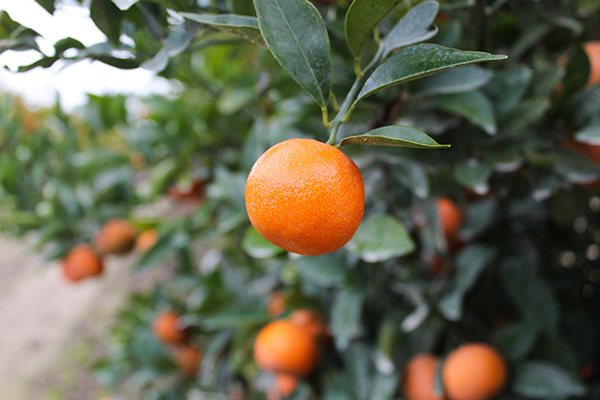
[(52, 330)]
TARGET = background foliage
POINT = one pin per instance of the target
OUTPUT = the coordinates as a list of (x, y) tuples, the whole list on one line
[(522, 275)]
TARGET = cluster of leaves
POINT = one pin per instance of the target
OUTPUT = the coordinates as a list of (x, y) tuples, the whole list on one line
[(524, 276)]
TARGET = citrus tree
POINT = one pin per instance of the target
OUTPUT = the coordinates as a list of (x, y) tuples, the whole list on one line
[(354, 206)]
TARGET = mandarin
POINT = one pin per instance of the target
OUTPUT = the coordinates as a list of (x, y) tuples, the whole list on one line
[(305, 196), (282, 347), (188, 358), (474, 371), (146, 240), (117, 236), (451, 218), (168, 329), (419, 378), (81, 262)]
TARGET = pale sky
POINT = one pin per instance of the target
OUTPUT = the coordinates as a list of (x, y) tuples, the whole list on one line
[(39, 86)]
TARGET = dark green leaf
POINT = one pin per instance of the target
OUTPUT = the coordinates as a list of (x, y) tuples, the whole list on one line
[(67, 43), (531, 294), (327, 270), (122, 63), (516, 340), (177, 41), (479, 215), (419, 61), (577, 72), (575, 167), (380, 238), (590, 134), (413, 176), (234, 319), (124, 5), (470, 264), (474, 175), (345, 321), (585, 106), (395, 135), (473, 106), (107, 17), (413, 28), (239, 25), (362, 18), (507, 88), (20, 44), (541, 381), (518, 120), (258, 247), (296, 35), (47, 4), (45, 62), (457, 80)]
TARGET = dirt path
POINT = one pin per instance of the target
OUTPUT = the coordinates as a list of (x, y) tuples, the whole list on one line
[(49, 328)]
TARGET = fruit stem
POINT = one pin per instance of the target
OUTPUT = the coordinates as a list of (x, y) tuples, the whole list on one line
[(347, 106), (325, 117)]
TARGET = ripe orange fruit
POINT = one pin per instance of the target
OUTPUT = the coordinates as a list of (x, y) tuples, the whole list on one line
[(419, 378), (285, 385), (311, 321), (188, 358), (117, 236), (474, 371), (276, 304), (305, 196), (451, 218), (81, 262), (168, 329), (282, 347), (146, 240)]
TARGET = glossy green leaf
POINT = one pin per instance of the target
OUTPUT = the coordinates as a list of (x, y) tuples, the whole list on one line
[(380, 238), (395, 135), (539, 380), (473, 106), (258, 247), (419, 61), (414, 27), (296, 35), (242, 26), (457, 80), (362, 18), (107, 17)]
